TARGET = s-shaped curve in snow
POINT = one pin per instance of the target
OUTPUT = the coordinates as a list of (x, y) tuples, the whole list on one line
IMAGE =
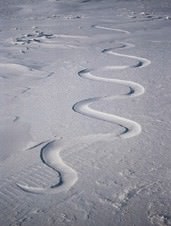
[(131, 128), (50, 156), (141, 62), (50, 153)]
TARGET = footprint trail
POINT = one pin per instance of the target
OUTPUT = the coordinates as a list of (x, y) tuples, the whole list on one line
[(50, 153)]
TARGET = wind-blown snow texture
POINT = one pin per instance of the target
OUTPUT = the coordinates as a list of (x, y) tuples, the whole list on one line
[(85, 113)]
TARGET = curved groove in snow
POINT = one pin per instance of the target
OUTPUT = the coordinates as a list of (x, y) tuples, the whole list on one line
[(83, 107), (111, 29), (50, 156), (50, 153)]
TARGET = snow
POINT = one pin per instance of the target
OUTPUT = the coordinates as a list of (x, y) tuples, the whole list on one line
[(85, 113)]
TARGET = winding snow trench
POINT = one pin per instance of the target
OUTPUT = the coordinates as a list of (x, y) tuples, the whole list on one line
[(50, 153)]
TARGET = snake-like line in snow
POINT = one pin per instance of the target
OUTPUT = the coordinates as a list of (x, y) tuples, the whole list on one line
[(50, 153)]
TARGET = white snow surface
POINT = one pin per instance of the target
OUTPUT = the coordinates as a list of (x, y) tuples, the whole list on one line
[(85, 113)]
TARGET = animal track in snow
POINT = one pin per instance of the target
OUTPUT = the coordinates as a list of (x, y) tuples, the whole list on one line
[(50, 153), (35, 37), (47, 40)]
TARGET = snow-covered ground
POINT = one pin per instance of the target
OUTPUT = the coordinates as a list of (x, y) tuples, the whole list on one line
[(85, 113)]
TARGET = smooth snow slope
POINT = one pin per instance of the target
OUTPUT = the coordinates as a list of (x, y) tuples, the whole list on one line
[(85, 113)]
